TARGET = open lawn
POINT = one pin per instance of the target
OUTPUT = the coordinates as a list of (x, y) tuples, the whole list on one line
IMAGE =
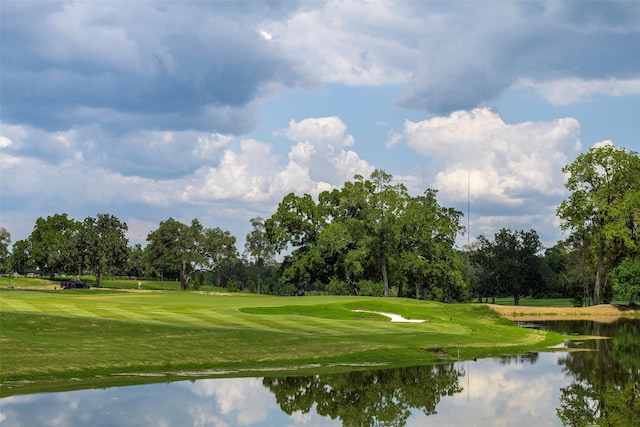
[(97, 337)]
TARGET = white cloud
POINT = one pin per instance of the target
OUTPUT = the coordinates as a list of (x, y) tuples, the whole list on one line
[(321, 153), (504, 161), (512, 173), (572, 90)]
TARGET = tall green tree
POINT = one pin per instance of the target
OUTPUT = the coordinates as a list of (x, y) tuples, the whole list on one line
[(102, 244), (604, 203), (5, 242), (52, 243), (219, 250), (296, 225), (177, 248), (426, 246), (260, 247), (366, 213)]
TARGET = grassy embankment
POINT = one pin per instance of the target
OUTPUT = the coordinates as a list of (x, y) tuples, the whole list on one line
[(55, 339)]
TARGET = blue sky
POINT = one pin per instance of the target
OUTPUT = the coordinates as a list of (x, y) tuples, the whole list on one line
[(216, 110)]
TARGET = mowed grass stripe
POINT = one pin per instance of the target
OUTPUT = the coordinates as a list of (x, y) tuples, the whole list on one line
[(172, 318), (120, 313), (74, 310), (18, 305)]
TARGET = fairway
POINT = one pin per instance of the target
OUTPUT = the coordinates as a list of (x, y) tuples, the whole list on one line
[(90, 334)]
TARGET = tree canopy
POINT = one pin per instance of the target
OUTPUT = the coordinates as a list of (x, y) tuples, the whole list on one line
[(604, 205)]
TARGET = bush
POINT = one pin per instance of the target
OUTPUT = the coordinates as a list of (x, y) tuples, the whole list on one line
[(626, 280), (370, 288), (338, 287)]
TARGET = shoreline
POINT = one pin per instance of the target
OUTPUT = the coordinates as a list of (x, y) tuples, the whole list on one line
[(603, 313)]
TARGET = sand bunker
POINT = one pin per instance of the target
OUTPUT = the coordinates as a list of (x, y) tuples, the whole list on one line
[(392, 316)]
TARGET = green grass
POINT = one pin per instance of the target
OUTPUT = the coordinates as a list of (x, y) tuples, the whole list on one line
[(61, 339), (537, 302)]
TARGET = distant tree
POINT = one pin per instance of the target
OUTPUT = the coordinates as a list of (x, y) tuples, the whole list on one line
[(554, 272), (177, 247), (511, 262), (626, 280), (259, 247), (102, 243), (219, 250), (52, 243), (21, 259), (604, 204), (136, 261), (5, 242)]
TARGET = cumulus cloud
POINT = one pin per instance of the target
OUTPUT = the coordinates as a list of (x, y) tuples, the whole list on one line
[(511, 172), (173, 173)]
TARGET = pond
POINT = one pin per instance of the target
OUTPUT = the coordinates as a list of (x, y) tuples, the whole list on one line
[(598, 386)]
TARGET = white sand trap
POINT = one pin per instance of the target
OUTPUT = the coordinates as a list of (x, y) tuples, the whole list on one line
[(393, 317)]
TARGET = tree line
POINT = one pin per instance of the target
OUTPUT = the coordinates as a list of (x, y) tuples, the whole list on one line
[(371, 237)]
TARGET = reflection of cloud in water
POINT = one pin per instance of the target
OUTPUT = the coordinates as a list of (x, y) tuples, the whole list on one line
[(496, 394), (247, 396)]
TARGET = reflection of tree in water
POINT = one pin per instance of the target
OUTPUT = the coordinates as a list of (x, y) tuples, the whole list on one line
[(367, 398), (530, 357), (606, 383)]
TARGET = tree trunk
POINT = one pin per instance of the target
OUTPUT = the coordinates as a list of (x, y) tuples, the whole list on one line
[(516, 299), (385, 279), (599, 271), (259, 277), (184, 281)]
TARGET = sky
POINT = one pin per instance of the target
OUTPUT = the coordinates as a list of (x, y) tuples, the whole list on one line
[(216, 110)]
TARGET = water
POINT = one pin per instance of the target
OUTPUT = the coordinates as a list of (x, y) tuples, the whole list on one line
[(595, 387)]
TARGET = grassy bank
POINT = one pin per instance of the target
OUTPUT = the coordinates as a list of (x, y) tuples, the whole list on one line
[(55, 339)]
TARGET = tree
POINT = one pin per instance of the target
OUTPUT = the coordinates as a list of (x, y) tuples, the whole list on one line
[(370, 232), (21, 259), (52, 243), (5, 242), (176, 247), (219, 250), (604, 203), (366, 212), (511, 262), (136, 261), (427, 233), (626, 280), (297, 224), (259, 246), (102, 244)]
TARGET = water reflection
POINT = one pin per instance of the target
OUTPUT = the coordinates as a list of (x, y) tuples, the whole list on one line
[(604, 387), (536, 389), (366, 398)]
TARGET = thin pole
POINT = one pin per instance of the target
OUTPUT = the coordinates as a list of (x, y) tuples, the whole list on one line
[(469, 208)]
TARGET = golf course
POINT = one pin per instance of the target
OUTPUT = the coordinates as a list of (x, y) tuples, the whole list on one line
[(53, 339)]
